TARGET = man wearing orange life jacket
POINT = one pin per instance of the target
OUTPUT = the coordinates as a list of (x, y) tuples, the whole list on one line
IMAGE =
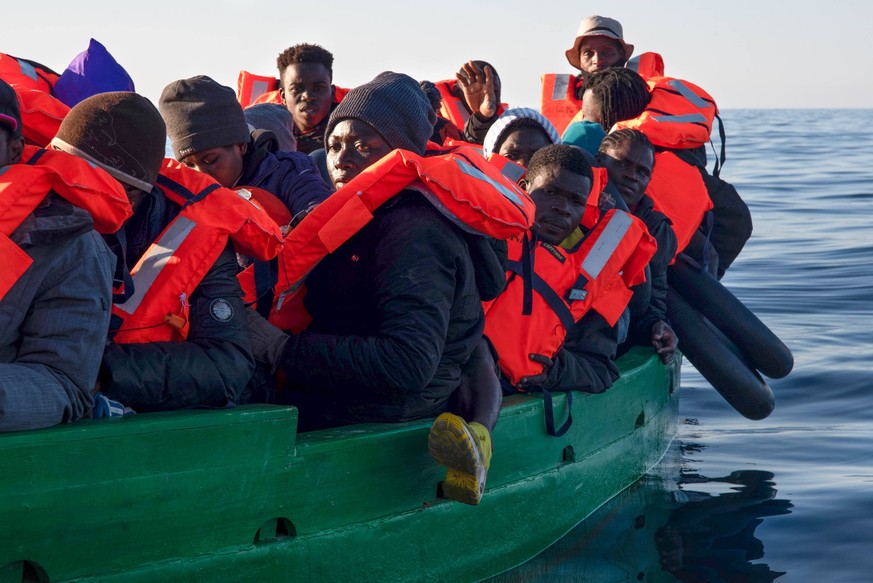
[(629, 158), (394, 294), (711, 221), (554, 328), (56, 282), (178, 332), (209, 133), (599, 44), (471, 101)]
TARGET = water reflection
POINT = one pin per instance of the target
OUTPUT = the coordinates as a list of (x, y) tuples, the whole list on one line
[(711, 538), (673, 525)]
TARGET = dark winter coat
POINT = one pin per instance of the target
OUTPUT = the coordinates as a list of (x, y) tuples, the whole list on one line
[(396, 312)]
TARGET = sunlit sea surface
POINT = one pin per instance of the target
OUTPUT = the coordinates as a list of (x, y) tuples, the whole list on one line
[(789, 497)]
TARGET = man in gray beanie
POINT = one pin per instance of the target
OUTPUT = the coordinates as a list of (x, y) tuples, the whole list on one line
[(210, 134), (396, 311)]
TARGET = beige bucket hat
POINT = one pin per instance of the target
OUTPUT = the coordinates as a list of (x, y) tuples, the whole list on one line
[(597, 26)]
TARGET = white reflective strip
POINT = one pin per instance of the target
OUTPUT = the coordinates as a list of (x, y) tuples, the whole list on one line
[(512, 172), (688, 94), (461, 108), (634, 64), (476, 173), (150, 265), (691, 117), (27, 69), (259, 88), (562, 85), (607, 243)]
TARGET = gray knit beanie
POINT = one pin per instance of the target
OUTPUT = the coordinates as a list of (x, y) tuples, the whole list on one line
[(202, 114), (119, 131), (276, 119), (394, 105)]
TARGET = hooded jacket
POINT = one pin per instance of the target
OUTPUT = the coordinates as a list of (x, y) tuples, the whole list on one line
[(291, 176)]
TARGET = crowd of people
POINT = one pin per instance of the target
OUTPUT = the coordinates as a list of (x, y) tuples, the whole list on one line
[(399, 250)]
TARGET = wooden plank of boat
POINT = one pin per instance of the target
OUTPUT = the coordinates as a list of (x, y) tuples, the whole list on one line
[(237, 494)]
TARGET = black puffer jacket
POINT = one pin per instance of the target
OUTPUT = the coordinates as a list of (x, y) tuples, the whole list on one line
[(396, 312), (213, 365)]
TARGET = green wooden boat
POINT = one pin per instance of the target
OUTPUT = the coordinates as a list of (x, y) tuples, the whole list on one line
[(238, 494)]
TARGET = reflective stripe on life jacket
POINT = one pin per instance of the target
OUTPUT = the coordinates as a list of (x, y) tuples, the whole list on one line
[(24, 186), (597, 274), (558, 101), (174, 265), (461, 184)]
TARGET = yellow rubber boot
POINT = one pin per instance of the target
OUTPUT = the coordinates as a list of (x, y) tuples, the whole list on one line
[(465, 449)]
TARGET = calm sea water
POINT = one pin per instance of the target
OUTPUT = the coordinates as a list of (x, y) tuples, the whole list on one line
[(789, 497)]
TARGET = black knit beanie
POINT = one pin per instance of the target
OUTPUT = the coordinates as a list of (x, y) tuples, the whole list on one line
[(394, 105), (119, 131), (202, 114)]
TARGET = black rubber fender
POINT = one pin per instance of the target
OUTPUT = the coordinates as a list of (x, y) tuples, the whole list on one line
[(760, 346), (718, 360)]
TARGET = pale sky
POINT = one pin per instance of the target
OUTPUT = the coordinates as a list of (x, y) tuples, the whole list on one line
[(746, 54)]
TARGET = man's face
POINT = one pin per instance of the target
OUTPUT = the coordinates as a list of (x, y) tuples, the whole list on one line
[(560, 197), (629, 165), (10, 148), (597, 53), (353, 146), (520, 145), (307, 93), (224, 163)]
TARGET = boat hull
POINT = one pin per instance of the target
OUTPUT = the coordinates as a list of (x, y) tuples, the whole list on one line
[(238, 495)]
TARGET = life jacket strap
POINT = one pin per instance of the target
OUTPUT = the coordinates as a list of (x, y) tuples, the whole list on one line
[(549, 412)]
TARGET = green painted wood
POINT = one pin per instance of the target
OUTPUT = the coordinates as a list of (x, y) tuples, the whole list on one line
[(182, 496)]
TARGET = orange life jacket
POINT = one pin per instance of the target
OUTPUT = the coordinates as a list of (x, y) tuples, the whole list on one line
[(24, 186), (679, 116), (596, 275), (647, 65), (41, 113), (453, 108), (27, 74), (250, 87), (678, 191), (461, 184), (175, 264), (558, 102)]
